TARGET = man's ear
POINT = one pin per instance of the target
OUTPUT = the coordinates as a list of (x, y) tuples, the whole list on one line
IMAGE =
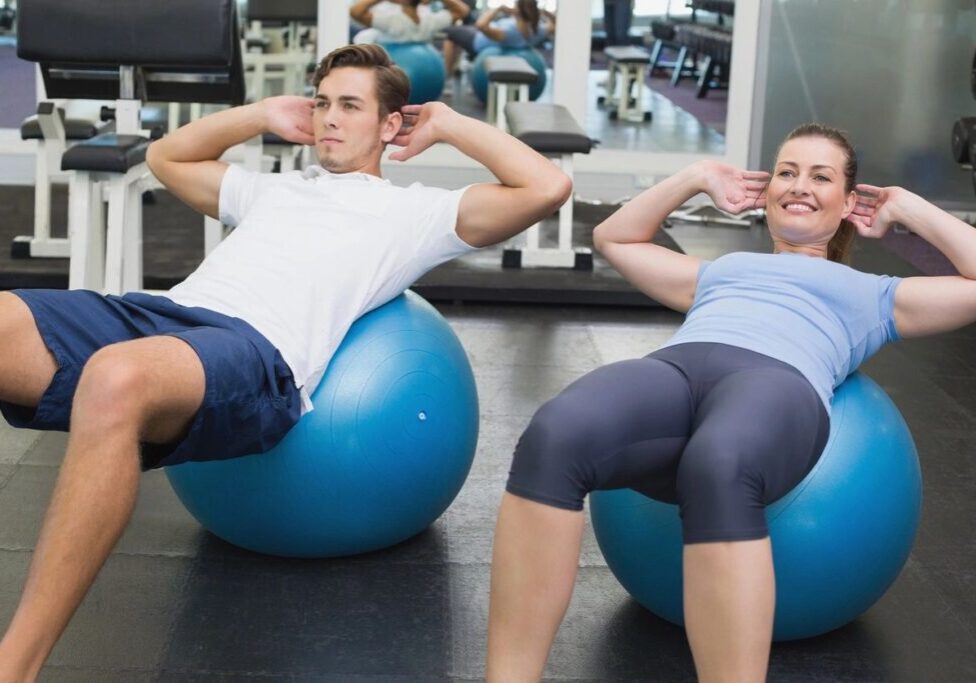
[(392, 125)]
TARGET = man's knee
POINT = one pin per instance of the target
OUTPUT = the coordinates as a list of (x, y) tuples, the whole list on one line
[(113, 389)]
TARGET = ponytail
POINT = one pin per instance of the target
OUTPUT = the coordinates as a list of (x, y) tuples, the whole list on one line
[(839, 247)]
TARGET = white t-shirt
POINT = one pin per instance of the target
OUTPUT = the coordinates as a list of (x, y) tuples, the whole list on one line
[(397, 27), (312, 251)]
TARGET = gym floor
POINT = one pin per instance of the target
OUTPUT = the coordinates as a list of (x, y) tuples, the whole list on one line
[(173, 603)]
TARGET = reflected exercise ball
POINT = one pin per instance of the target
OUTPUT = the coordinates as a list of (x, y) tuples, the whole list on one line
[(425, 67), (479, 77)]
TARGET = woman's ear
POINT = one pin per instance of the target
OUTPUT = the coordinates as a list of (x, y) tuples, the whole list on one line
[(850, 203)]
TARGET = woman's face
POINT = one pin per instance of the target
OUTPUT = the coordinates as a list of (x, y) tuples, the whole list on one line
[(806, 199)]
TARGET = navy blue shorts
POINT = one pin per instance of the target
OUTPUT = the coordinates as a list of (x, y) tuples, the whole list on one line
[(250, 401)]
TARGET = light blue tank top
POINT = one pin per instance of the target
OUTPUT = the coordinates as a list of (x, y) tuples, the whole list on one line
[(821, 317), (512, 39)]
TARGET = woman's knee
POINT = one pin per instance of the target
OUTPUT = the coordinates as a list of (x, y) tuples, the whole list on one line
[(721, 492), (714, 465)]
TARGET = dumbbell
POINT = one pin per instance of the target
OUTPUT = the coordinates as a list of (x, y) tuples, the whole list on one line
[(964, 139)]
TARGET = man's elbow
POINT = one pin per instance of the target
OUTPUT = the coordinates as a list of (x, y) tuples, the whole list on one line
[(152, 158), (559, 190), (599, 240)]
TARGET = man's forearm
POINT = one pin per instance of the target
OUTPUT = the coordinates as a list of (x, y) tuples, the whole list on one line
[(209, 137)]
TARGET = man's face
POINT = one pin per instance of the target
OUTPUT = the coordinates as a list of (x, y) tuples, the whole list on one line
[(349, 133)]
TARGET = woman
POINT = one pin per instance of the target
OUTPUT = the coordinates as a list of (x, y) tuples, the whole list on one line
[(767, 335), (406, 24), (522, 28)]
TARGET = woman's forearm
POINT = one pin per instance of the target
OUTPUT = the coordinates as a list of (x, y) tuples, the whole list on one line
[(458, 9), (360, 11), (954, 238), (639, 219), (487, 17)]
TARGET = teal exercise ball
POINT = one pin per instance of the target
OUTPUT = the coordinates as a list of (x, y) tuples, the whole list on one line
[(479, 77), (839, 538), (383, 454), (424, 66)]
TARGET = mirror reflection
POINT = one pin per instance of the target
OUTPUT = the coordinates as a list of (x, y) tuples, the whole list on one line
[(455, 40), (659, 72)]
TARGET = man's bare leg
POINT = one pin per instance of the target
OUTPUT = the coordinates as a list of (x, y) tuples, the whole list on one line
[(143, 390), (26, 364)]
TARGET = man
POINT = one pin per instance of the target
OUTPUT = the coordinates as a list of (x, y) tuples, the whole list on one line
[(224, 364), (617, 16)]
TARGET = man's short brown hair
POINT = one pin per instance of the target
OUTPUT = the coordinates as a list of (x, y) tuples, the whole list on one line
[(392, 83)]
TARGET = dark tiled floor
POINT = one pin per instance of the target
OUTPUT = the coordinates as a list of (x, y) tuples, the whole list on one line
[(175, 604)]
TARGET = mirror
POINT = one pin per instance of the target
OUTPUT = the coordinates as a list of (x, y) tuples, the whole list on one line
[(489, 27), (636, 49)]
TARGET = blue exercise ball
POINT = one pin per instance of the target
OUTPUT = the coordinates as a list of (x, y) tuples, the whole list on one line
[(425, 67), (839, 538), (385, 451), (479, 77)]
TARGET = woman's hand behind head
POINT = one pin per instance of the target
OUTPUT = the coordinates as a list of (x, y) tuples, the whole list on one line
[(875, 209), (732, 189)]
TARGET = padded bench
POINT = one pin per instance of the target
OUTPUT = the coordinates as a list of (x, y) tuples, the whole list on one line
[(626, 72), (550, 130), (509, 78)]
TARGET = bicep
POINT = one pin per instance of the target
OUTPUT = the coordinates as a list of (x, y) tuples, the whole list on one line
[(490, 213), (195, 183), (665, 275), (929, 305)]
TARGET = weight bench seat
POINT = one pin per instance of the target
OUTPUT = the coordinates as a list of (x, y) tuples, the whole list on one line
[(547, 128), (628, 54), (510, 69), (74, 129), (106, 153)]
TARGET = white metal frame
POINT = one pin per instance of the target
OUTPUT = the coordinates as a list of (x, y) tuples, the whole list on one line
[(563, 255), (499, 94), (47, 169)]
